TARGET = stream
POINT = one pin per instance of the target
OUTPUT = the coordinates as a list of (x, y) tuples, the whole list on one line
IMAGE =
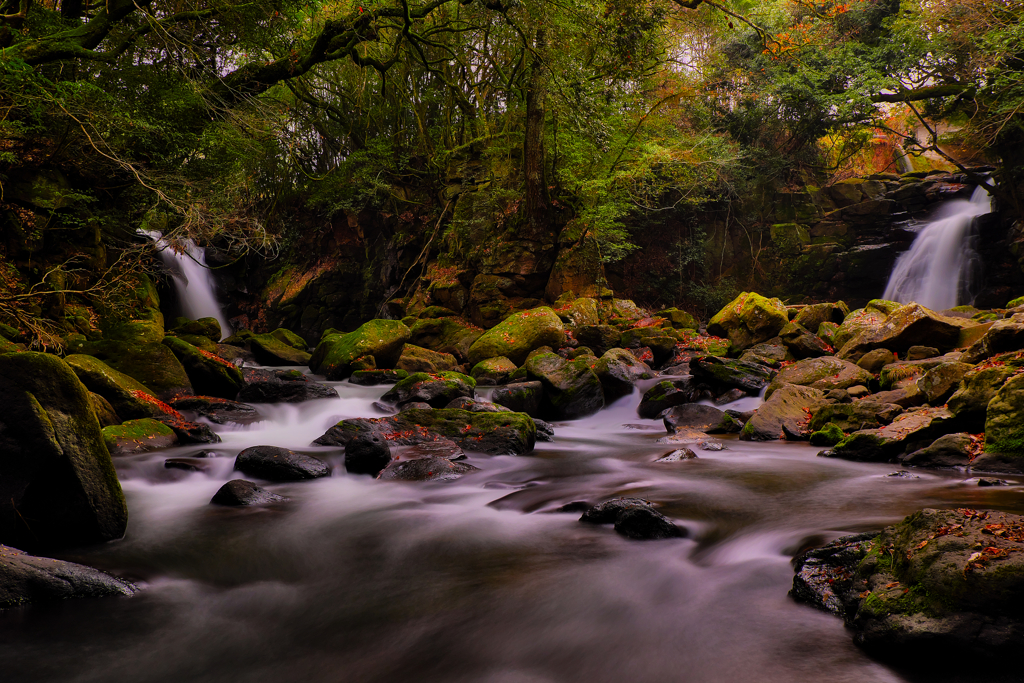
[(480, 579)]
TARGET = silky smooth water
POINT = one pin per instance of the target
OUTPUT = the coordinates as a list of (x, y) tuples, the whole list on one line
[(192, 280), (935, 271), (480, 579)]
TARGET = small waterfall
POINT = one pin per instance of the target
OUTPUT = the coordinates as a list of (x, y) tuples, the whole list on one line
[(935, 271), (192, 279)]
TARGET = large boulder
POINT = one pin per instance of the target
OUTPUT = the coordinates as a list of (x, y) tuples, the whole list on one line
[(437, 389), (217, 410), (913, 325), (618, 370), (152, 364), (854, 416), (571, 389), (1004, 420), (448, 335), (667, 394), (27, 579), (1003, 336), (425, 469), (825, 373), (209, 375), (129, 398), (939, 383), (634, 518), (204, 327), (493, 370), (382, 339), (279, 348), (520, 397), (281, 386), (801, 343), (908, 431), (138, 436), (723, 374), (813, 315), (786, 415), (519, 334), (418, 359), (493, 433), (58, 486), (599, 338), (857, 329), (280, 464), (749, 319), (699, 417), (969, 402), (949, 450)]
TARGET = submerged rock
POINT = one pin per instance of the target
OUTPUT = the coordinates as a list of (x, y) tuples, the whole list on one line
[(280, 464), (367, 453), (281, 386), (217, 410), (634, 518), (571, 389), (26, 579), (239, 492), (425, 469)]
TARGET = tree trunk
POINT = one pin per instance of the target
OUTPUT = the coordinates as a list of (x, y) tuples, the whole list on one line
[(534, 168)]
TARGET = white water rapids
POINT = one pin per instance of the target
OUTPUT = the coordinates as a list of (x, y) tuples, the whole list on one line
[(192, 280), (934, 272)]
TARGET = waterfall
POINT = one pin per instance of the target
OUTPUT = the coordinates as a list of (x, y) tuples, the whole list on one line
[(192, 279), (935, 271)]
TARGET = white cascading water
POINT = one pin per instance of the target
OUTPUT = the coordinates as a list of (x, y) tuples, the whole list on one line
[(192, 280), (933, 271)]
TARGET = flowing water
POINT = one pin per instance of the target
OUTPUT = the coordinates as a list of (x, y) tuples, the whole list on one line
[(480, 579), (193, 281), (935, 271)]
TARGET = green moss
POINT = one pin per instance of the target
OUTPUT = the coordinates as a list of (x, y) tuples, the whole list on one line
[(517, 335), (829, 435), (382, 339), (883, 306)]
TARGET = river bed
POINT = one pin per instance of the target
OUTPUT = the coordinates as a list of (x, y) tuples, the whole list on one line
[(479, 580)]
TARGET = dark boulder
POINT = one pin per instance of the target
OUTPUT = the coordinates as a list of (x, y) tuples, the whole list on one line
[(634, 518), (208, 374), (571, 389), (280, 464), (425, 469), (618, 371), (281, 386), (367, 453), (667, 394), (700, 417), (27, 579), (436, 389), (520, 397), (217, 410), (724, 373), (372, 378), (824, 576), (949, 450), (242, 492)]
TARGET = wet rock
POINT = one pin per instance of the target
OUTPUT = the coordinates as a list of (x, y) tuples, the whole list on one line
[(191, 432), (618, 370), (128, 397), (186, 465), (217, 410), (855, 416), (998, 462), (425, 469), (699, 417), (786, 415), (902, 474), (449, 335), (730, 396), (280, 464), (667, 394), (517, 335), (712, 445), (520, 397), (723, 374), (823, 373), (824, 576), (749, 319), (1003, 336), (949, 450), (414, 405), (941, 581), (58, 486), (103, 410), (272, 349), (886, 443), (987, 481), (802, 343), (828, 435), (634, 518), (236, 355), (678, 455), (138, 436), (153, 365), (27, 579), (367, 453), (437, 390), (493, 433), (372, 378), (239, 492), (382, 339), (493, 370), (1004, 419), (418, 359), (281, 386), (545, 432), (600, 338), (442, 448), (571, 389)]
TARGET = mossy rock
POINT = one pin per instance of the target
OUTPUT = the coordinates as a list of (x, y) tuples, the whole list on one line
[(204, 327), (242, 337), (579, 313), (1004, 419), (494, 370), (883, 306), (914, 325), (517, 335), (370, 378), (418, 359), (855, 416), (571, 388), (813, 315), (979, 386), (860, 323), (154, 365), (680, 320), (56, 470), (449, 335), (437, 389), (128, 397), (8, 346), (829, 435), (823, 373), (138, 436), (204, 343), (140, 320), (618, 370), (290, 338), (749, 319), (785, 415), (209, 375), (1014, 303), (382, 339), (270, 349)]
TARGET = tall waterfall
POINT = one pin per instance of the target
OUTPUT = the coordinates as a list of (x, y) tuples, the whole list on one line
[(935, 271), (192, 279)]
